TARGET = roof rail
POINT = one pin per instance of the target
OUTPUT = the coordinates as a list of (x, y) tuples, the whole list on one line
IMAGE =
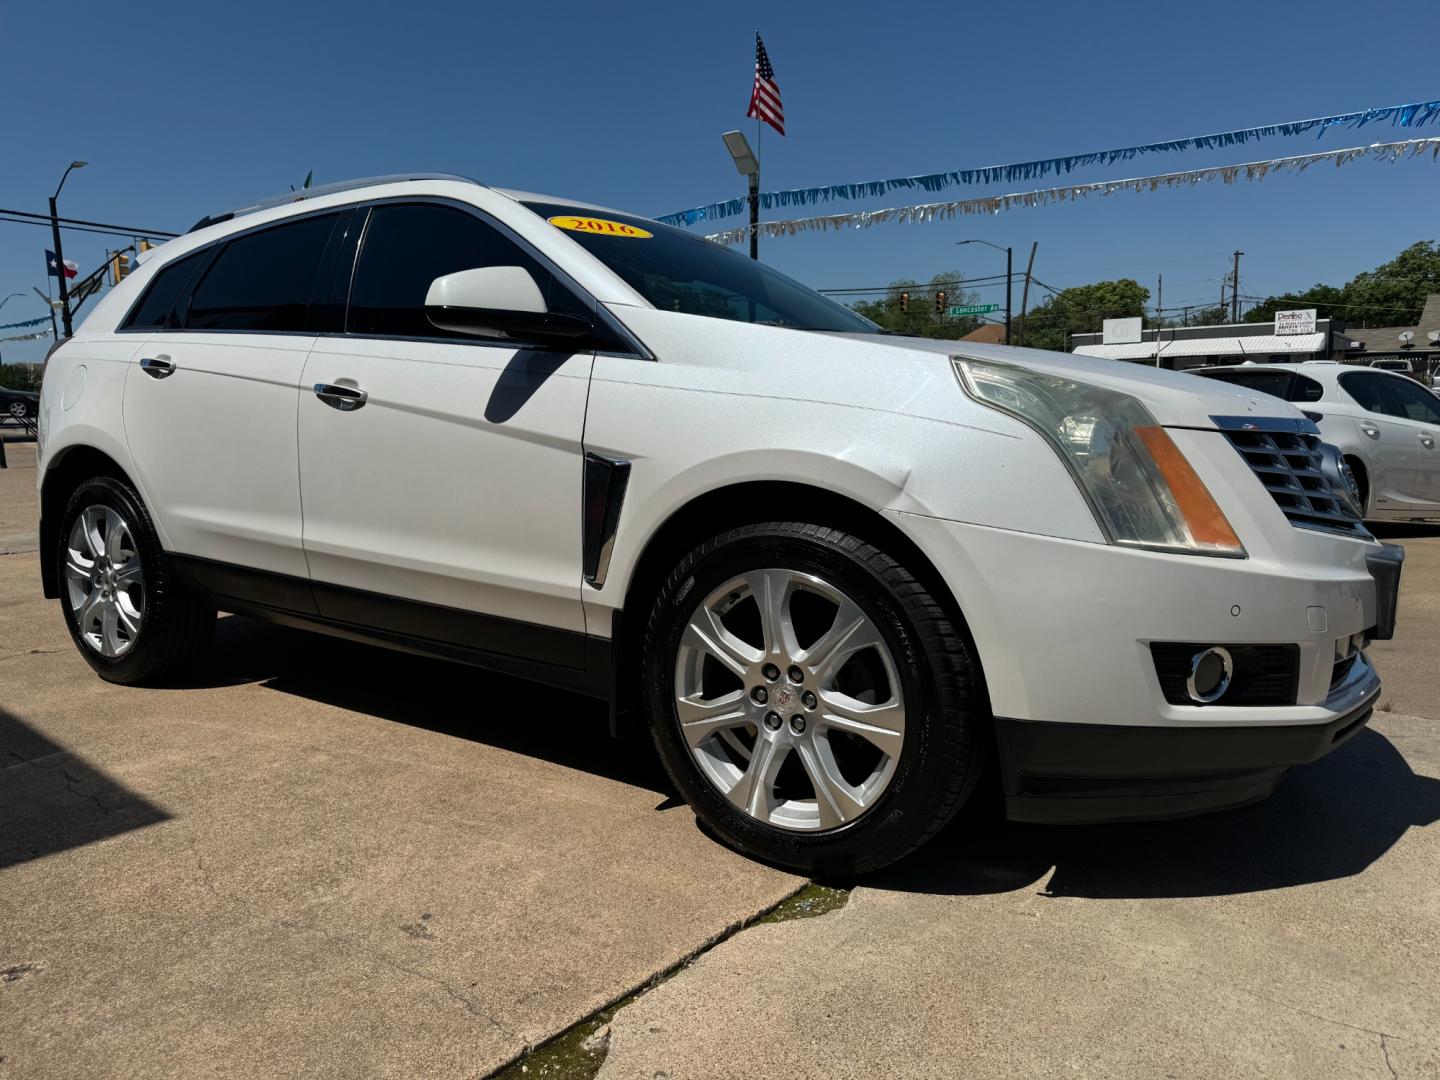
[(325, 189)]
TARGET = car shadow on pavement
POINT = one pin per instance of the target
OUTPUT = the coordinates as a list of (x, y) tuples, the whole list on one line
[(51, 800), (536, 720), (1326, 821), (1403, 530)]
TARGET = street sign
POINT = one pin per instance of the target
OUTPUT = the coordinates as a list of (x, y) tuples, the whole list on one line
[(974, 309)]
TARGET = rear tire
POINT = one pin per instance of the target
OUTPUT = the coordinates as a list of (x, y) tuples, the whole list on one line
[(130, 616), (874, 747)]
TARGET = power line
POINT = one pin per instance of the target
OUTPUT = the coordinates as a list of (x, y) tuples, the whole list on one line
[(123, 230), (75, 228), (916, 286)]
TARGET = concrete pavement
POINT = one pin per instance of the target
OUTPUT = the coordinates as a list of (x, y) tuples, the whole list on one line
[(1296, 938), (323, 860)]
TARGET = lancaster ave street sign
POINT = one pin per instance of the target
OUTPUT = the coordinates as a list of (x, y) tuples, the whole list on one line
[(975, 309)]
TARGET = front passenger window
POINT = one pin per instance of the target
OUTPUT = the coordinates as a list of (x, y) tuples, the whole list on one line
[(408, 245)]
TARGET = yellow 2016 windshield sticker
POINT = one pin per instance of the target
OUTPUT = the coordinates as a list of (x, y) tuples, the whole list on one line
[(599, 226)]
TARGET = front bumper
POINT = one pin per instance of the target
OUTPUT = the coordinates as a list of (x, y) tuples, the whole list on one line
[(1087, 773)]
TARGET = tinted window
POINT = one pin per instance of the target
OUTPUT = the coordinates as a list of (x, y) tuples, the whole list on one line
[(406, 246), (1286, 385), (262, 281), (1414, 403), (153, 311), (677, 271), (1365, 388)]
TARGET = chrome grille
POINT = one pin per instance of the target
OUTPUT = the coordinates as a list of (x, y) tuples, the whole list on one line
[(1285, 456)]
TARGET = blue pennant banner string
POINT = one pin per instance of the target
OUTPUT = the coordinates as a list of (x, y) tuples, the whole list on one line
[(27, 322), (1413, 115), (1252, 170)]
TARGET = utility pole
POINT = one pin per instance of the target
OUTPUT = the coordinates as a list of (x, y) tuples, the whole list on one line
[(1235, 290), (1025, 292), (1159, 298), (59, 251)]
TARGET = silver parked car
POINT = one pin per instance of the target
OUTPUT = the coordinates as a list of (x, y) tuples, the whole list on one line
[(1386, 426)]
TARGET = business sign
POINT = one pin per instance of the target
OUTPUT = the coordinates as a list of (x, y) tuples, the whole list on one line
[(1122, 331), (974, 309), (1295, 322)]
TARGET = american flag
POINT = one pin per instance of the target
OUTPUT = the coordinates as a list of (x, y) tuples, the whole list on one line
[(765, 97)]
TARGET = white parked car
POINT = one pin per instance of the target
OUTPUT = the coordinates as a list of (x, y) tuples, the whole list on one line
[(837, 574), (1386, 427)]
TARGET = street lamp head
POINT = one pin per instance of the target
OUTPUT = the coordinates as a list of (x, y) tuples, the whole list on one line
[(746, 163), (78, 164)]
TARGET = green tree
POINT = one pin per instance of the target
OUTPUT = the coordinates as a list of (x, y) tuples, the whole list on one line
[(20, 376), (1327, 300), (1392, 294), (921, 320), (1080, 310)]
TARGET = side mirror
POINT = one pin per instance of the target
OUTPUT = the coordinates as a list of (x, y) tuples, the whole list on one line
[(501, 302)]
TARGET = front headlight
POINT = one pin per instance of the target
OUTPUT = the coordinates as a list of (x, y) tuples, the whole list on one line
[(1142, 490)]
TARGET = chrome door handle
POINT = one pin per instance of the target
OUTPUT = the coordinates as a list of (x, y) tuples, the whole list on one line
[(1427, 441), (157, 367), (344, 398), (1373, 432)]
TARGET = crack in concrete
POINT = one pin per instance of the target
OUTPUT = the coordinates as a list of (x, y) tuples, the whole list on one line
[(1385, 1049), (31, 652), (455, 995), (71, 781)]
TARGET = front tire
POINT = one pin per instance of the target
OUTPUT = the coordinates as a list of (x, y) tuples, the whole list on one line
[(811, 699), (131, 618)]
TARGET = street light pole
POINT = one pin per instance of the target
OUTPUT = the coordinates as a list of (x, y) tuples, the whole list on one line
[(1009, 276), (747, 164), (60, 251)]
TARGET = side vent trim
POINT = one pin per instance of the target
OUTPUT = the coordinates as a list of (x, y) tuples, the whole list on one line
[(605, 482)]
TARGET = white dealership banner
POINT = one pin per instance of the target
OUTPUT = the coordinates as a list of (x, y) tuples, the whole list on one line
[(1301, 321)]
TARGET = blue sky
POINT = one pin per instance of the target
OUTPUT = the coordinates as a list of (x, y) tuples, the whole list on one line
[(189, 108)]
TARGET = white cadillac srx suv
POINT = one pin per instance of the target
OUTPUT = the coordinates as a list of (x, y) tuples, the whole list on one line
[(838, 574)]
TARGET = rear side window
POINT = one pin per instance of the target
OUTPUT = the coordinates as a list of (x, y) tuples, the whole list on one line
[(1286, 385), (262, 281), (1413, 402), (1365, 387), (408, 245), (154, 309)]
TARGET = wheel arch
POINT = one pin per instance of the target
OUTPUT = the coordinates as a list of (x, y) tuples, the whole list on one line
[(1362, 477), (747, 503), (66, 471)]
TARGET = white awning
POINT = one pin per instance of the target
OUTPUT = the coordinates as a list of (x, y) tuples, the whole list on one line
[(1260, 345)]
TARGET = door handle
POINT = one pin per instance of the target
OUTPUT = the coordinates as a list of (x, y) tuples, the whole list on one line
[(1428, 441), (344, 398), (1373, 432), (157, 367)]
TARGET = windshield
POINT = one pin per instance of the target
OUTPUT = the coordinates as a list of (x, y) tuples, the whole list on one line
[(677, 271)]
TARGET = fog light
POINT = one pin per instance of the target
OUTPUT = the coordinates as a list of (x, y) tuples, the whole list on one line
[(1210, 673)]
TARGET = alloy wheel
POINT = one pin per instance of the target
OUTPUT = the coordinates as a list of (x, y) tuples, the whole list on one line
[(789, 700), (105, 581)]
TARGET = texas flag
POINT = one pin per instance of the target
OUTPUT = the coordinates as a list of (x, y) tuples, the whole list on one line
[(52, 265)]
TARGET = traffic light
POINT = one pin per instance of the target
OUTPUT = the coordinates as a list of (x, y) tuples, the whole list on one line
[(119, 267), (940, 302), (905, 302)]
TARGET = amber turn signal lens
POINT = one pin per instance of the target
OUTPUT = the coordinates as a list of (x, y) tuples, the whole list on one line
[(1203, 517)]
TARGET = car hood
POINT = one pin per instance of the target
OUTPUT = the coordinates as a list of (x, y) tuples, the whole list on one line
[(1174, 398), (913, 376)]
